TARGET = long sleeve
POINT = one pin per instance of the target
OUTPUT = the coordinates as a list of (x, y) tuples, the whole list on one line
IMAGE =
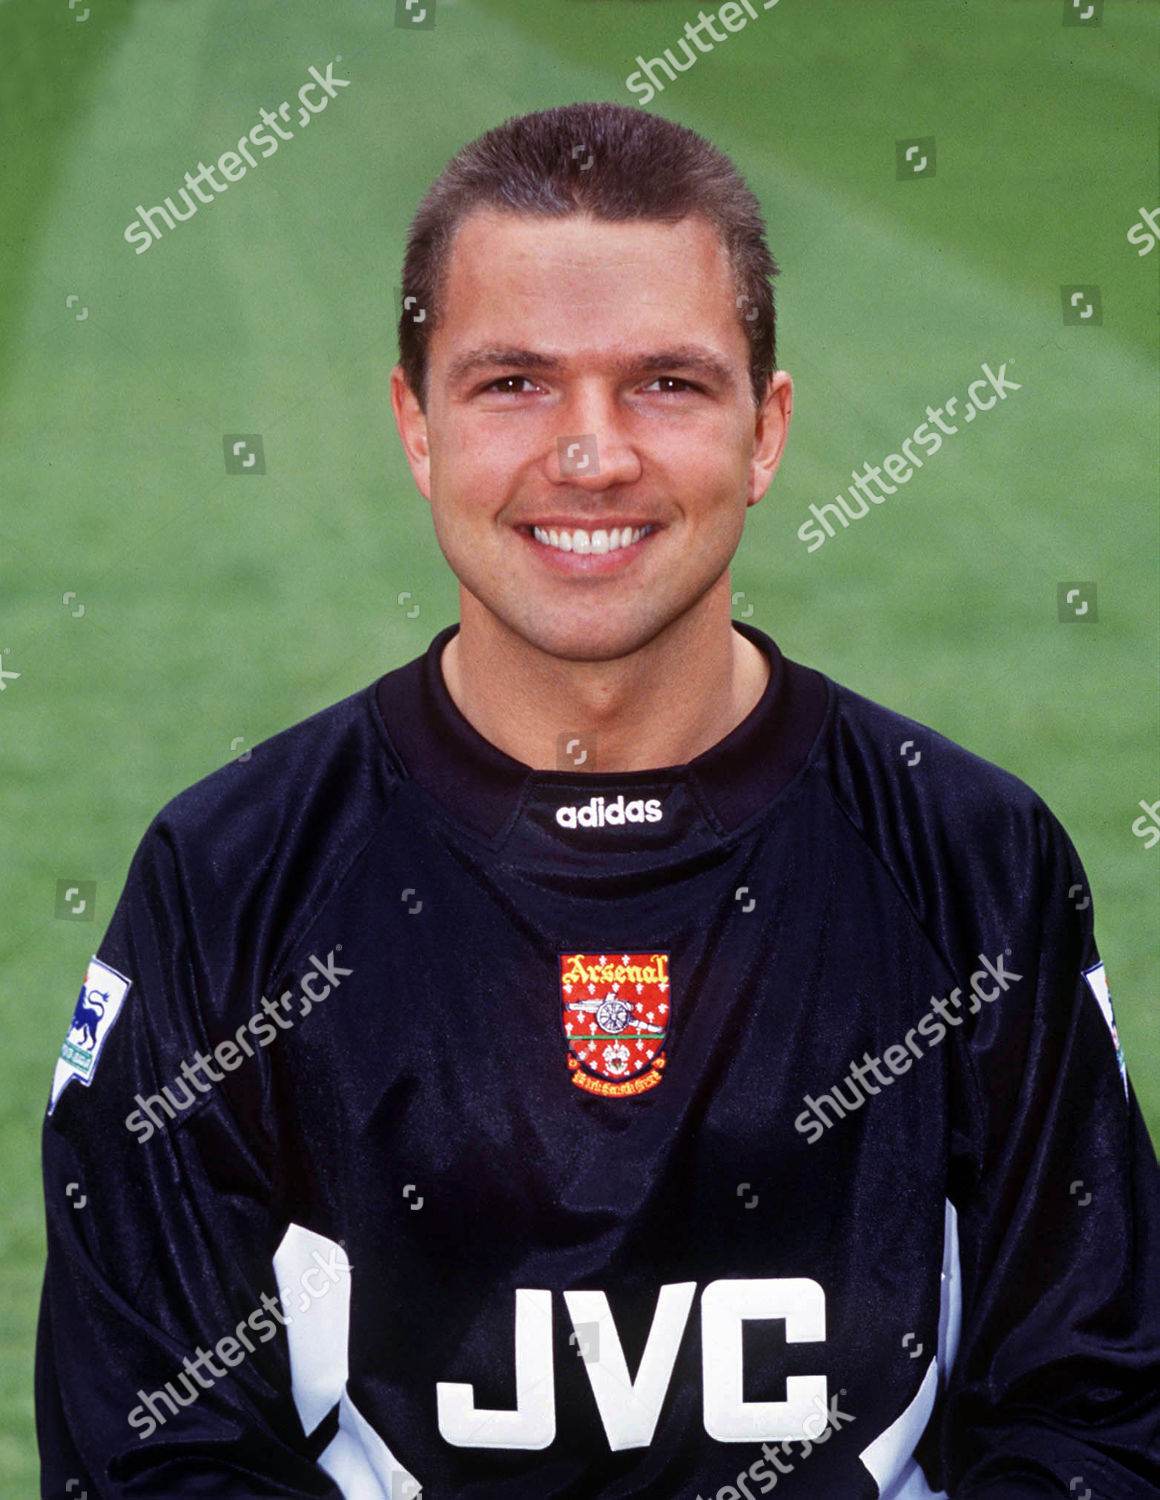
[(1056, 1386), (162, 1363)]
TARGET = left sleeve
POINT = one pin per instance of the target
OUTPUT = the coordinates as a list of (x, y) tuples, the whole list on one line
[(1055, 1387), (160, 1370)]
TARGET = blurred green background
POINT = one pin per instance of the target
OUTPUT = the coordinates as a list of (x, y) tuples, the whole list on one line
[(164, 615)]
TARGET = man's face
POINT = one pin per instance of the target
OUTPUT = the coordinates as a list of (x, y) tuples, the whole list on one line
[(589, 376)]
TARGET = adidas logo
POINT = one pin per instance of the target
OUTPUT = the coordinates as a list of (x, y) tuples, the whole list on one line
[(595, 813)]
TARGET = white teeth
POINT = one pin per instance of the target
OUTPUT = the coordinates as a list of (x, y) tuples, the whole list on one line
[(598, 541)]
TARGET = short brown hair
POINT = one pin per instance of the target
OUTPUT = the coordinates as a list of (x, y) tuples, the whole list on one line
[(612, 161)]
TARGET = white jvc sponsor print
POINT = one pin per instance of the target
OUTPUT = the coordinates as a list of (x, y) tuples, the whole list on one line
[(630, 1409), (364, 1465), (596, 813)]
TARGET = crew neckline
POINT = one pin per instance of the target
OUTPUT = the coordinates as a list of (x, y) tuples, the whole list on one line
[(484, 787)]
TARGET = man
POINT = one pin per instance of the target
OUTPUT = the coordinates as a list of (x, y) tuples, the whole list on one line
[(591, 1061)]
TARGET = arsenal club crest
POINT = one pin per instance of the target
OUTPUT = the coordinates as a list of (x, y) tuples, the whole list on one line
[(615, 1014)]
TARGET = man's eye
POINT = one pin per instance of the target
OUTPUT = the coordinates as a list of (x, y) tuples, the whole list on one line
[(671, 380), (507, 380)]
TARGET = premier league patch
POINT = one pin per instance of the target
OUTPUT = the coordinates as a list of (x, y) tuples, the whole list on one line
[(1098, 984), (98, 1006), (615, 1014)]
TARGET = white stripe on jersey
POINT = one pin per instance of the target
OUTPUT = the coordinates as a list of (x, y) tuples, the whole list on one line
[(890, 1457), (318, 1331)]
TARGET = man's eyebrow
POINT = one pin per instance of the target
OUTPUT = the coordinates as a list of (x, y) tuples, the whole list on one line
[(694, 358)]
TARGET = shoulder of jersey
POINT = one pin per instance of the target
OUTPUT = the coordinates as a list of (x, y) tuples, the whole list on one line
[(342, 743), (924, 802), (321, 784)]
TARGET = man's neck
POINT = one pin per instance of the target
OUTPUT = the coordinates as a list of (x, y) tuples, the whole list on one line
[(662, 706)]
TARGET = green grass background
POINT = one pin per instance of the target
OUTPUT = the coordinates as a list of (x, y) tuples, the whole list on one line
[(219, 607)]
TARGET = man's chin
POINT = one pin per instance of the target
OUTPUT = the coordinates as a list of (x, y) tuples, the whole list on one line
[(585, 637)]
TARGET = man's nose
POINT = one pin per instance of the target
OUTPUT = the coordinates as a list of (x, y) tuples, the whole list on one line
[(593, 446)]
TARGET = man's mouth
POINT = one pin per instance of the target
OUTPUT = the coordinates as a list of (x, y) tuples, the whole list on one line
[(583, 542)]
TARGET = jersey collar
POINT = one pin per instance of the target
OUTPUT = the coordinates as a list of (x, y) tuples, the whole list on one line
[(509, 803)]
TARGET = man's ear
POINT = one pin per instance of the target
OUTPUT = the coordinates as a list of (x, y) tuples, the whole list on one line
[(771, 427), (412, 425)]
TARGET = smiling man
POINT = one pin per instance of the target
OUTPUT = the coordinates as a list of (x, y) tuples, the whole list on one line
[(590, 586), (700, 1096)]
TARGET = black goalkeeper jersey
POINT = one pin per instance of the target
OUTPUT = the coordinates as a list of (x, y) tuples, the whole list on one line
[(451, 1128)]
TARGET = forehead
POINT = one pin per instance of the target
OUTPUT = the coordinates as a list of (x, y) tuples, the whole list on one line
[(577, 281)]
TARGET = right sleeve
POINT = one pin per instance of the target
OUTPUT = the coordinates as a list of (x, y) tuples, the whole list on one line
[(159, 1280), (1055, 1386)]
